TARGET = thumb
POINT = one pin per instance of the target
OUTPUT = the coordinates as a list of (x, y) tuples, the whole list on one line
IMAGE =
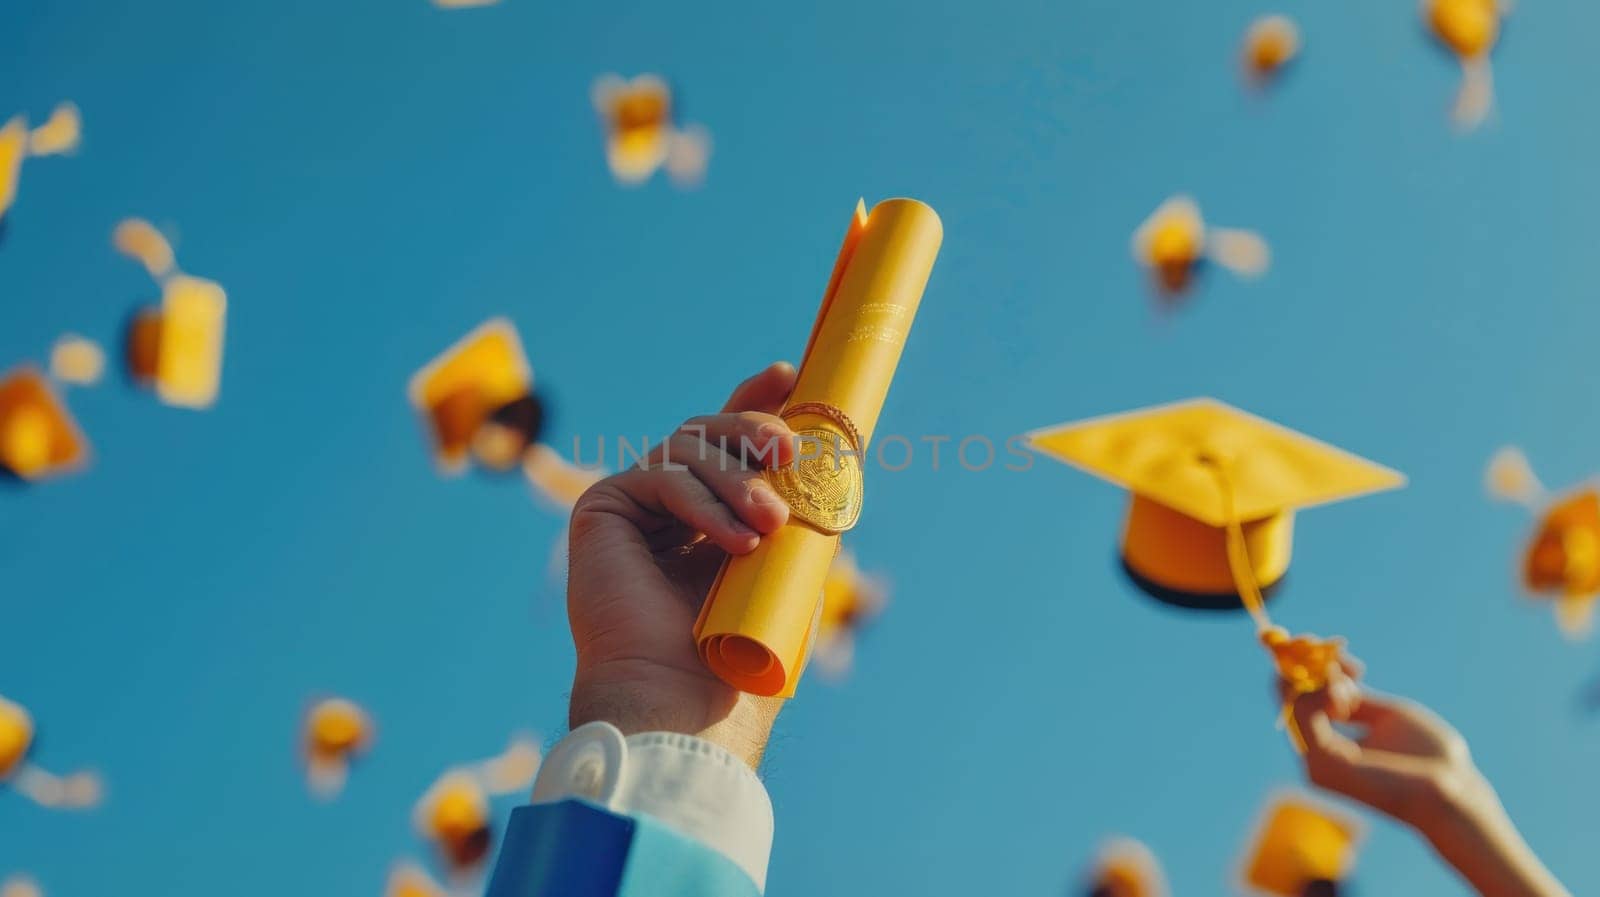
[(1381, 780)]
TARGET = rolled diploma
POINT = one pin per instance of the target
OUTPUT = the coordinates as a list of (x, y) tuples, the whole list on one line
[(756, 627)]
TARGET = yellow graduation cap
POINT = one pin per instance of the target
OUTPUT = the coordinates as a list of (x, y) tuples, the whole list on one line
[(1125, 867), (1270, 43), (850, 599), (1301, 847), (189, 369), (1563, 559), (637, 116), (336, 731), (76, 791), (454, 816), (13, 149), (1469, 29), (1193, 468), (38, 437), (484, 378)]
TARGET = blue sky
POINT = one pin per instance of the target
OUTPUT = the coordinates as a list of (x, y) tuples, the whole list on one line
[(370, 179)]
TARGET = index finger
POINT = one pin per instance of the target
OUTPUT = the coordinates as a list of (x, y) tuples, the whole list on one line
[(766, 391)]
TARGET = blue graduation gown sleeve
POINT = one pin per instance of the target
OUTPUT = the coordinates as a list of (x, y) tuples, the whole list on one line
[(573, 848)]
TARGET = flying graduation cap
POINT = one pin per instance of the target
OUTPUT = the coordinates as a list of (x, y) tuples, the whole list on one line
[(38, 436), (850, 600), (1561, 561), (1211, 521), (174, 348), (76, 791), (478, 402), (1175, 242), (642, 133), (1301, 848), (453, 815), (336, 732), (1469, 29), (1194, 468), (1270, 44), (1125, 868)]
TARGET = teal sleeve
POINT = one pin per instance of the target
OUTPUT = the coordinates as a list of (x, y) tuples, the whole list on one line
[(573, 848)]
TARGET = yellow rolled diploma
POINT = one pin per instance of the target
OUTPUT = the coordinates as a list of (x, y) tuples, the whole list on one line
[(756, 628)]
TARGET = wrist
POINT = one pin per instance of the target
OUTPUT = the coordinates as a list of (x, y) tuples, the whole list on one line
[(644, 697), (1471, 831)]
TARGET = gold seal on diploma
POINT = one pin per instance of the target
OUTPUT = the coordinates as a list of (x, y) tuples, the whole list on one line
[(824, 485), (756, 628)]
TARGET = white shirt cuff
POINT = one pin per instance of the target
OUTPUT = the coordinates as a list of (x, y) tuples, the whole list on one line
[(686, 783)]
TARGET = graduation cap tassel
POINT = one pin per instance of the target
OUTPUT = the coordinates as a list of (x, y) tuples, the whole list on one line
[(1238, 552), (1271, 636)]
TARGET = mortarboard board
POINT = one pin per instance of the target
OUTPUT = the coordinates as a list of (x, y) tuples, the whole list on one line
[(189, 364), (13, 149), (482, 374), (1300, 847), (1194, 468), (38, 436)]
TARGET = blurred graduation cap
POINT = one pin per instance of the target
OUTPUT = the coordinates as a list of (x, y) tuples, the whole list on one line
[(177, 348), (336, 732), (1175, 240), (1194, 467), (1301, 848), (850, 600), (642, 134), (1469, 29), (77, 791), (1562, 559), (477, 400), (1125, 868), (1270, 43), (38, 436), (453, 814)]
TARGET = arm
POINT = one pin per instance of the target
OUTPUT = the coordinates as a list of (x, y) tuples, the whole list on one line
[(1412, 766), (654, 790)]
